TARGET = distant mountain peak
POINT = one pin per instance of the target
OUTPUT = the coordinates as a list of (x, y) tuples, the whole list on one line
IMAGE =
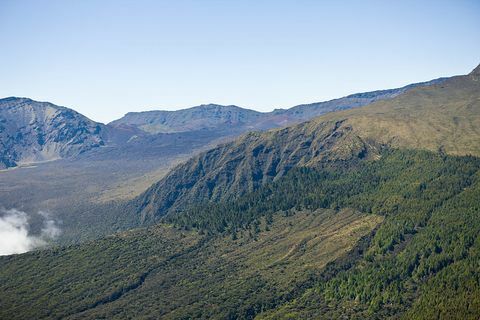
[(476, 71), (16, 100), (33, 131)]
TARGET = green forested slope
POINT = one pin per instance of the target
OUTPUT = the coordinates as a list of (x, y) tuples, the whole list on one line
[(371, 213), (233, 169), (422, 261), (444, 116), (159, 273), (275, 254)]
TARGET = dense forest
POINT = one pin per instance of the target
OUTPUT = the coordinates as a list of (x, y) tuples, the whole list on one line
[(355, 239)]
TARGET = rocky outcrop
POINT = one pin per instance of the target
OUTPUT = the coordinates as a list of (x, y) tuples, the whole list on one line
[(32, 131)]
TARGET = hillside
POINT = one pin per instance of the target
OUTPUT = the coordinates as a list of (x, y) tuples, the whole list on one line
[(235, 168), (32, 131), (369, 213), (235, 120), (375, 239), (444, 116), (135, 152)]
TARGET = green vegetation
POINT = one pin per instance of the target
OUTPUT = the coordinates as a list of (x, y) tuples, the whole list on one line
[(425, 254), (327, 219), (298, 247), (162, 272), (64, 281), (400, 182), (442, 117)]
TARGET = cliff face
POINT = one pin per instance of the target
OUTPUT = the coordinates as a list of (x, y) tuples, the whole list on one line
[(32, 131)]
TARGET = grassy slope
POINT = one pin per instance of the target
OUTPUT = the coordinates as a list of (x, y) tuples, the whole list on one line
[(423, 255), (56, 283), (177, 273), (444, 116)]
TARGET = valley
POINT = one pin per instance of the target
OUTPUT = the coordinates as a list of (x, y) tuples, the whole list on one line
[(78, 183), (329, 218), (239, 160)]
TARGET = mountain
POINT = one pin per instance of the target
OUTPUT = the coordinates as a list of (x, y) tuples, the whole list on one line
[(132, 153), (442, 116), (241, 166), (306, 112), (204, 117), (368, 213), (32, 131), (233, 119)]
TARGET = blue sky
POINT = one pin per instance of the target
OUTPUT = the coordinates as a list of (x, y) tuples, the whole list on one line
[(105, 58)]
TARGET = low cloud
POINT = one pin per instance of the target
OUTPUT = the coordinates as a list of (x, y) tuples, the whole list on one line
[(15, 235)]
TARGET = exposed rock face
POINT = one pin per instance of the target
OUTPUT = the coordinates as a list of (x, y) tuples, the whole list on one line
[(32, 131)]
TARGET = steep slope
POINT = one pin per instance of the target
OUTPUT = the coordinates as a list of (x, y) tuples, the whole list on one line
[(444, 116), (235, 168), (299, 255), (32, 131)]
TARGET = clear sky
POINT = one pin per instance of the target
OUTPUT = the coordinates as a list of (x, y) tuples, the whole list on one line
[(105, 58)]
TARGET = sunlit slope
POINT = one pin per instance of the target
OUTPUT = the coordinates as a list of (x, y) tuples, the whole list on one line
[(443, 116)]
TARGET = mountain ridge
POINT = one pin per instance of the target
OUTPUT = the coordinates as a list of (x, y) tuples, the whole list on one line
[(440, 117), (265, 120), (367, 213), (224, 122)]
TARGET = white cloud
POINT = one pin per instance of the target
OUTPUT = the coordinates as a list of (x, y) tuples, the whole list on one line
[(50, 229), (15, 235)]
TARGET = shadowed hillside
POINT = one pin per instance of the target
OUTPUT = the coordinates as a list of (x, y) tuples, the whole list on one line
[(440, 117)]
